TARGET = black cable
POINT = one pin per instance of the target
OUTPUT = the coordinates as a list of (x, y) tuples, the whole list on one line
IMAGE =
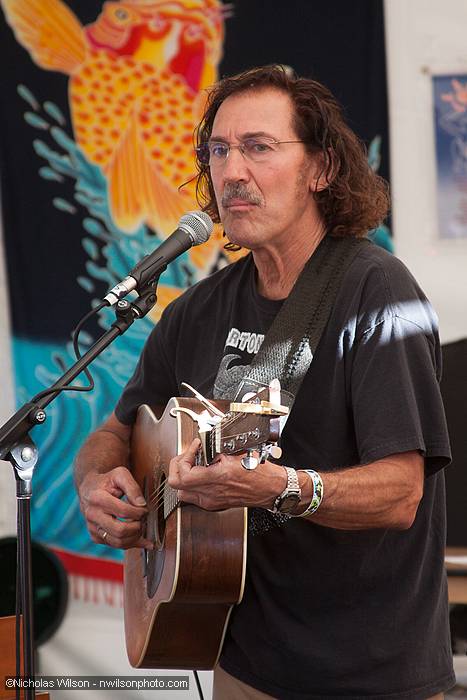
[(75, 335), (198, 685), (78, 330)]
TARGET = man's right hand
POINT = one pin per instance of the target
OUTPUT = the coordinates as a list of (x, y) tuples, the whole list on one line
[(102, 486), (111, 520)]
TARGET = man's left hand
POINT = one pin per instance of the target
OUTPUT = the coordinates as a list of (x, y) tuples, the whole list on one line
[(225, 483)]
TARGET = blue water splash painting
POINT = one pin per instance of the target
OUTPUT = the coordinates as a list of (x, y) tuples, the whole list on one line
[(56, 518)]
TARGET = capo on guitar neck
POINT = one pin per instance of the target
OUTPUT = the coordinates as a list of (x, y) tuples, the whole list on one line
[(264, 408)]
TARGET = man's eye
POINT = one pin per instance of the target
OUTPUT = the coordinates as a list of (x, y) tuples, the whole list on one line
[(257, 147), (218, 150)]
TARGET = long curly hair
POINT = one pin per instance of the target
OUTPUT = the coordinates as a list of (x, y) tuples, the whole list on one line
[(356, 199)]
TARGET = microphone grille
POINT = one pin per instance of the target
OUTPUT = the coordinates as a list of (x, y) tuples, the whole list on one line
[(198, 225)]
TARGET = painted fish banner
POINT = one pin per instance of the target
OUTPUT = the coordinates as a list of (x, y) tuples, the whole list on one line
[(98, 106)]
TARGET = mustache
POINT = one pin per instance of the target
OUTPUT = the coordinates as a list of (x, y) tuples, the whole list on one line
[(236, 191)]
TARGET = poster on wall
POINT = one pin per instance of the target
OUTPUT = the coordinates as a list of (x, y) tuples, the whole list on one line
[(450, 114)]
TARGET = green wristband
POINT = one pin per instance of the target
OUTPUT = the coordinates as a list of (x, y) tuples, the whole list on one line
[(318, 492)]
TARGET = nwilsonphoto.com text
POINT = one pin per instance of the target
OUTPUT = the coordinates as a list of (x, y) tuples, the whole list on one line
[(99, 682)]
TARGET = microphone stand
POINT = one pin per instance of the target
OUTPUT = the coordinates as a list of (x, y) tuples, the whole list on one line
[(17, 447)]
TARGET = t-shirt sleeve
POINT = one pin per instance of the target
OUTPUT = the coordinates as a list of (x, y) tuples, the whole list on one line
[(153, 381), (396, 399)]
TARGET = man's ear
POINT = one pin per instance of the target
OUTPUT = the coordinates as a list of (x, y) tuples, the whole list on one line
[(321, 171)]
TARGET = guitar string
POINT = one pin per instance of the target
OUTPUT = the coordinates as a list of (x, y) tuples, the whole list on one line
[(155, 505), (158, 497)]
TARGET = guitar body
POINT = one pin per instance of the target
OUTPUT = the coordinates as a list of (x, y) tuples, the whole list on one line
[(178, 597)]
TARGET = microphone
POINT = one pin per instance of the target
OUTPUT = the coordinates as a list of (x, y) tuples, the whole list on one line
[(193, 228)]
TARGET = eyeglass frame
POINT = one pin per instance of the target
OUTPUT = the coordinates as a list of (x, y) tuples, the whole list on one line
[(240, 146)]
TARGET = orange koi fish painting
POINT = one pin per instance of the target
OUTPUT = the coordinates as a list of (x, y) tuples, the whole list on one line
[(137, 80)]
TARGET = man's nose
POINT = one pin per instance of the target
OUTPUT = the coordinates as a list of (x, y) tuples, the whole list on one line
[(235, 168)]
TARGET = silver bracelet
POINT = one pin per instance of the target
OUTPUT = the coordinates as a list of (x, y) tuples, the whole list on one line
[(318, 493)]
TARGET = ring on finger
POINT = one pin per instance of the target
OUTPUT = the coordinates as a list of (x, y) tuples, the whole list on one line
[(102, 533)]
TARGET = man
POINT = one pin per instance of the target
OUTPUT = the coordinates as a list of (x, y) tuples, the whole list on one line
[(350, 600)]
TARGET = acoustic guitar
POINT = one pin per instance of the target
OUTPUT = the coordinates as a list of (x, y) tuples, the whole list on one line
[(179, 596)]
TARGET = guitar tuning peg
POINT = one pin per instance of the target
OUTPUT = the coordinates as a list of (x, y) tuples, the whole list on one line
[(275, 451), (266, 451), (249, 462)]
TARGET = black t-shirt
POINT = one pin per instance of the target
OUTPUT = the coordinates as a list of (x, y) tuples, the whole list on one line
[(330, 613)]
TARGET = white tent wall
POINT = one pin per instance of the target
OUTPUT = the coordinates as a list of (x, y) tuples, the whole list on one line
[(423, 37)]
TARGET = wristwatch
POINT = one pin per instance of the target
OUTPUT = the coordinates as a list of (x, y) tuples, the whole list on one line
[(290, 496)]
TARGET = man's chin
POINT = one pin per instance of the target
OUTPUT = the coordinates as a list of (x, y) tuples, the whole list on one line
[(244, 241), (241, 229)]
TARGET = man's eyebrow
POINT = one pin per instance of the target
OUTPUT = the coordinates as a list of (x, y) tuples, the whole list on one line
[(246, 135)]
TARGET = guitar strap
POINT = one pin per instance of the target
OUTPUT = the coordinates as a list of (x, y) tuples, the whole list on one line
[(288, 348), (291, 342)]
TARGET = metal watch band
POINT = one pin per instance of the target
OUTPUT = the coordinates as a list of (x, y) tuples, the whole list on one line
[(291, 495)]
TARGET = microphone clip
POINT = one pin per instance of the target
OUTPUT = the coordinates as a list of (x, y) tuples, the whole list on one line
[(126, 312)]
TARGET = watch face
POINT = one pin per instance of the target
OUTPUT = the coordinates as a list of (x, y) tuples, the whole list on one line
[(289, 503)]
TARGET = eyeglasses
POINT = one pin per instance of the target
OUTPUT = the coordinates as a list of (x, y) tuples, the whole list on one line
[(260, 149)]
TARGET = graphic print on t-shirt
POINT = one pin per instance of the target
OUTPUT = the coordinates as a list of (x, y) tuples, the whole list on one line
[(234, 366), (228, 385)]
